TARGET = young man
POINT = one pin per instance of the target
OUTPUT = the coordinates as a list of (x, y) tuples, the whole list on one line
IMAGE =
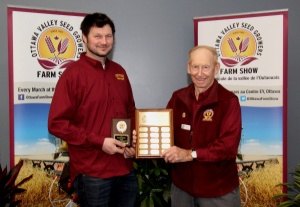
[(88, 95), (207, 130)]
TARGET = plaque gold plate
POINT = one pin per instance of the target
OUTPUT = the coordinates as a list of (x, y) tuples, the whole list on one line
[(121, 130), (154, 128)]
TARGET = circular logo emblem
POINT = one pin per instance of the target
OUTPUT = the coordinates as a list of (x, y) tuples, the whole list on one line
[(238, 46), (56, 44), (238, 43), (121, 126), (208, 114), (56, 48)]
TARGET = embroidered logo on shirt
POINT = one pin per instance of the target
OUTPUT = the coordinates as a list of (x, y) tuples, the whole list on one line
[(208, 114), (120, 76)]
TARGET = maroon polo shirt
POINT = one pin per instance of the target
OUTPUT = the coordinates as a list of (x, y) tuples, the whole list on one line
[(86, 98), (214, 131)]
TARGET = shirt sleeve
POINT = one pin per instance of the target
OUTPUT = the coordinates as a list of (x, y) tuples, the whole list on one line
[(61, 115)]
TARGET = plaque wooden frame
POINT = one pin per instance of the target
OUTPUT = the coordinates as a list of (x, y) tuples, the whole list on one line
[(155, 133), (121, 130)]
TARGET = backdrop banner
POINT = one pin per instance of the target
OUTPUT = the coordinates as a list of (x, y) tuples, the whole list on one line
[(252, 50), (41, 44)]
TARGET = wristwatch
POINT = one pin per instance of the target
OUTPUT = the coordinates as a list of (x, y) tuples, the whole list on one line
[(194, 154)]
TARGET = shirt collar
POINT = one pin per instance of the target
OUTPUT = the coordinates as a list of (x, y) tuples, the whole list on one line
[(202, 95), (93, 62)]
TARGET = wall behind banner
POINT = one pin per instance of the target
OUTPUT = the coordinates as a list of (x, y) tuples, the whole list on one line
[(152, 42)]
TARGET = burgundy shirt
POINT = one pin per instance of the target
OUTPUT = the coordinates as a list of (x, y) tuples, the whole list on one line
[(211, 126), (86, 98)]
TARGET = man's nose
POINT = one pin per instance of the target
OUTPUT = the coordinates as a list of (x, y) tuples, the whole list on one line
[(103, 40), (199, 72)]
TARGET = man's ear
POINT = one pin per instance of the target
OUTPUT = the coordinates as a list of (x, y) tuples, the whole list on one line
[(84, 38), (217, 68), (188, 68)]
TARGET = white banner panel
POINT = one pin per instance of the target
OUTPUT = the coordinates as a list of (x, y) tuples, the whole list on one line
[(252, 50), (41, 44)]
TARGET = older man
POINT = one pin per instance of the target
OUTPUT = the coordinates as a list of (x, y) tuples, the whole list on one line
[(207, 130)]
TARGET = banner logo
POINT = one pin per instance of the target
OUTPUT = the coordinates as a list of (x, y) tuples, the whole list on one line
[(55, 45), (239, 44)]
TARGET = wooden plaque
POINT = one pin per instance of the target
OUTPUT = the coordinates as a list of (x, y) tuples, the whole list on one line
[(154, 129), (121, 130)]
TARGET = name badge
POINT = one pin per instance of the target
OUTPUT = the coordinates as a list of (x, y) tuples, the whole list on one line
[(186, 127)]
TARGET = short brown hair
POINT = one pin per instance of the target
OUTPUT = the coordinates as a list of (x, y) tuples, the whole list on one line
[(96, 20)]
